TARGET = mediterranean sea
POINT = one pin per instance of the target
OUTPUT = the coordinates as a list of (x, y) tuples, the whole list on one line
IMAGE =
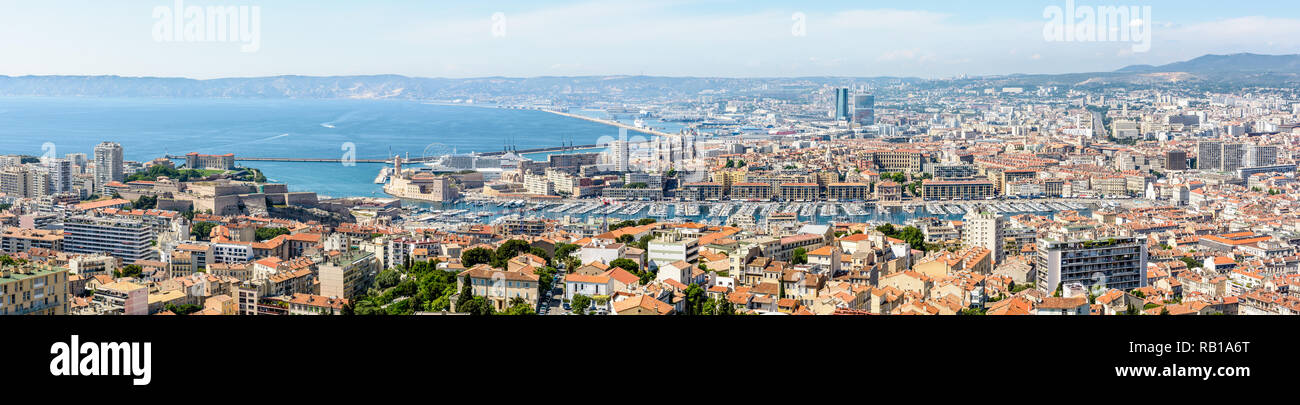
[(149, 128)]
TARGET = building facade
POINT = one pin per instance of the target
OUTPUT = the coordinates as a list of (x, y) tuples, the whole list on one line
[(129, 240), (1119, 262)]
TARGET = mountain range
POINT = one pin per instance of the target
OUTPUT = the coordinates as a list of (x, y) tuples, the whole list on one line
[(1236, 63), (1214, 70)]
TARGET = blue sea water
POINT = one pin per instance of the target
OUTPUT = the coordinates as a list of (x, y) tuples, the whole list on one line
[(309, 128)]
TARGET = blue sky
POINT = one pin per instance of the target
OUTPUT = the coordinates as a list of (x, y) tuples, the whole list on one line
[(653, 37)]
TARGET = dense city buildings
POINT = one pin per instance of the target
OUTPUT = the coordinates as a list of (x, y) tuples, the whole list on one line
[(432, 192), (828, 197)]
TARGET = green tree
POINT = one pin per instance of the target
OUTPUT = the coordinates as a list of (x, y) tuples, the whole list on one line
[(541, 253), (201, 230), (519, 306), (5, 260), (145, 202), (580, 303), (268, 233), (472, 257), (562, 251), (621, 224), (466, 294), (725, 307), (388, 279), (913, 236), (368, 307), (644, 242), (695, 300), (800, 256), (625, 264), (509, 250), (887, 229), (184, 309), (645, 277), (479, 306), (130, 270), (545, 278)]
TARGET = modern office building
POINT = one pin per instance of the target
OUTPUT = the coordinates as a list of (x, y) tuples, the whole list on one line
[(1209, 155), (1119, 262), (1261, 156), (864, 109), (619, 155), (984, 229), (1175, 160), (1233, 156), (108, 165), (841, 104), (953, 172), (129, 240)]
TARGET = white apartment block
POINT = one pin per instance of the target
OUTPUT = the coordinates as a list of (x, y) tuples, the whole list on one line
[(129, 240), (984, 229)]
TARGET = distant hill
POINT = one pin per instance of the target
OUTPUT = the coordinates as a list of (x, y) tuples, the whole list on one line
[(1217, 71), (1235, 63), (386, 86)]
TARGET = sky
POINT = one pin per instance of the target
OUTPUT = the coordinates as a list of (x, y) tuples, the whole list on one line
[(705, 38)]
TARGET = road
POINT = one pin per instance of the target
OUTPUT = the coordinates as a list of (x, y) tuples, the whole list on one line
[(554, 303)]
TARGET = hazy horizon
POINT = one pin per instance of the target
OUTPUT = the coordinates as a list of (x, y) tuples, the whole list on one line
[(701, 39)]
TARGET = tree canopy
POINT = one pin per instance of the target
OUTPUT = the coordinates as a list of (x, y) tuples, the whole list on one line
[(799, 256), (479, 255), (265, 234), (202, 230)]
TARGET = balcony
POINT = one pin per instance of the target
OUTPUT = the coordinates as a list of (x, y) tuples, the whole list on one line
[(36, 308)]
